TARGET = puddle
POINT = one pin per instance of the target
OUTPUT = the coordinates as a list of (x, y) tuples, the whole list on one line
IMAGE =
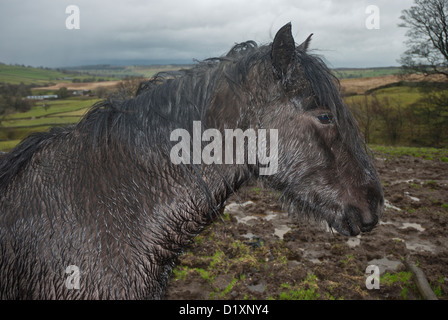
[(257, 288), (404, 225), (354, 242), (416, 226), (388, 205), (382, 222), (249, 236), (233, 207), (420, 246), (417, 245), (270, 215), (246, 219), (315, 261), (411, 197), (405, 181), (281, 231), (312, 255), (384, 264), (237, 210)]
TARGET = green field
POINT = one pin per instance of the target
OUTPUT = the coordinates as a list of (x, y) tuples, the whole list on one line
[(15, 74), (348, 73), (43, 116), (53, 107), (391, 152), (404, 101), (403, 95), (406, 95), (60, 112)]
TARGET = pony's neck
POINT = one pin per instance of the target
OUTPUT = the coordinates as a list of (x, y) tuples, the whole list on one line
[(200, 199)]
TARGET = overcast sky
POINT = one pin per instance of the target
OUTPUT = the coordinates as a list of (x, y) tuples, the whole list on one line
[(34, 32)]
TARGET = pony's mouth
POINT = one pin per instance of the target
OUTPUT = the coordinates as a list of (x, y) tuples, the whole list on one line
[(346, 219), (353, 221)]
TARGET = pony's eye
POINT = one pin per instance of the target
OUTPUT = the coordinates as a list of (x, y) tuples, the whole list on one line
[(324, 118)]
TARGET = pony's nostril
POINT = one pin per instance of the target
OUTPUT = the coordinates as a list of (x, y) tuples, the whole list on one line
[(375, 200), (367, 224), (364, 219)]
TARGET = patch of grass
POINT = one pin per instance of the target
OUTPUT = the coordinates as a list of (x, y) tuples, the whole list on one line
[(306, 290), (8, 145), (53, 107), (229, 287), (423, 153), (402, 279), (256, 190), (218, 259), (45, 121), (180, 273), (348, 259), (77, 113), (226, 216), (243, 254), (431, 182), (205, 274), (227, 259), (437, 287)]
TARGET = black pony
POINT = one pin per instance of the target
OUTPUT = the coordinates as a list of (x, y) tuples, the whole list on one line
[(104, 197)]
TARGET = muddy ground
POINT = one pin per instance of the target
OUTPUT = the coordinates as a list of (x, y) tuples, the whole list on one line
[(257, 252)]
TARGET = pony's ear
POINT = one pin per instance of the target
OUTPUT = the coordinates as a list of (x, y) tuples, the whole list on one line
[(283, 50), (305, 44)]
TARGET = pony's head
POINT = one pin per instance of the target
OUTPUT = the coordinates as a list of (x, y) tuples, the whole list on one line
[(324, 170)]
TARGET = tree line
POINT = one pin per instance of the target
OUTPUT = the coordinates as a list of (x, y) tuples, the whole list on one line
[(385, 119), (11, 98)]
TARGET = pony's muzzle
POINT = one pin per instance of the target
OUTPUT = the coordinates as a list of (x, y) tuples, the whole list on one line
[(363, 220)]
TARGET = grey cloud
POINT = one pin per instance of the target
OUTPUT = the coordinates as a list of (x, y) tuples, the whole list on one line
[(34, 33)]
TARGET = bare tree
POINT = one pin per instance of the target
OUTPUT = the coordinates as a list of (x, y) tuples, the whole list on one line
[(427, 21), (128, 87)]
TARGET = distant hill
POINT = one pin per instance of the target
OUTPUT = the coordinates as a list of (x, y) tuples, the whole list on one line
[(146, 71)]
